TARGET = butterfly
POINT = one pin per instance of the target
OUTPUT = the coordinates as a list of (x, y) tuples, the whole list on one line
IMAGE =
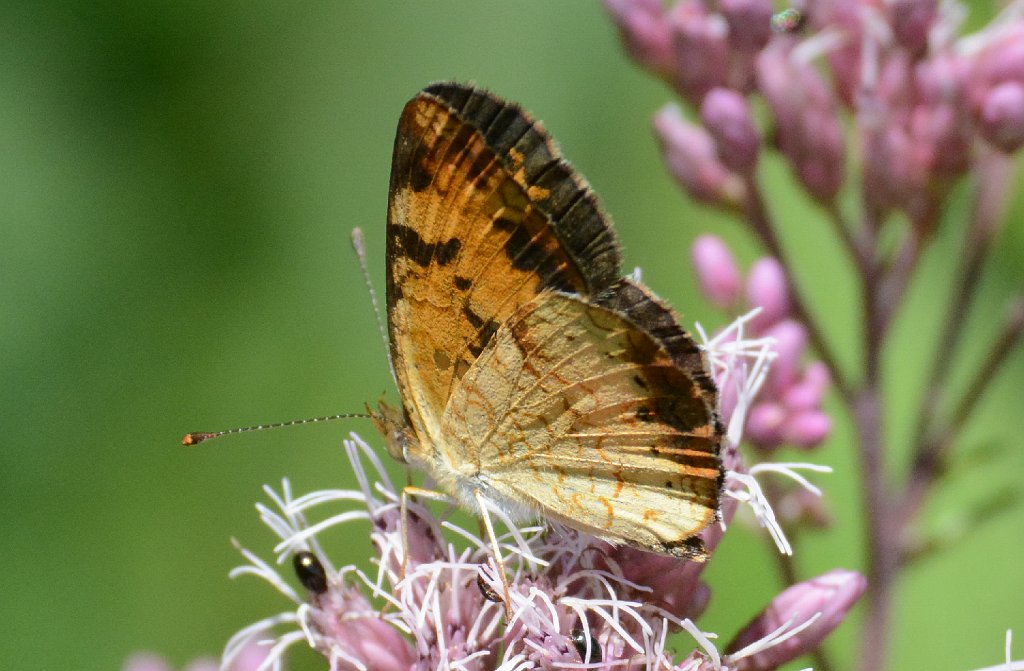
[(533, 376)]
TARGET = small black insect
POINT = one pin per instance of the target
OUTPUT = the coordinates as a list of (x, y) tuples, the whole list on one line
[(579, 639), (310, 571), (486, 590)]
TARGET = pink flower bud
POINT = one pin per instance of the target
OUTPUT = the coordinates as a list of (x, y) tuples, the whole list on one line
[(832, 595), (750, 23), (1002, 60), (1002, 116), (700, 48), (820, 162), (943, 131), (790, 344), (807, 126), (894, 90), (801, 397), (775, 81), (768, 290), (807, 429), (808, 393), (817, 376), (371, 640), (689, 154), (645, 32), (896, 170), (765, 425), (726, 115), (911, 22), (942, 79), (717, 273), (846, 59)]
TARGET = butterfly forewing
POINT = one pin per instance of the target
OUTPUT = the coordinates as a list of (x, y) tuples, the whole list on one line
[(581, 413), (483, 215), (530, 373)]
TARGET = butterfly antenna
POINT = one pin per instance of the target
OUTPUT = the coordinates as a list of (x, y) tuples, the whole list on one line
[(360, 250), (201, 437)]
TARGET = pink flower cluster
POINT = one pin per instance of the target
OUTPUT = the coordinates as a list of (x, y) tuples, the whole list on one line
[(576, 602), (925, 102), (879, 108), (788, 410), (434, 598)]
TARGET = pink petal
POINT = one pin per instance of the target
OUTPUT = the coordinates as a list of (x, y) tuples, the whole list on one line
[(716, 269)]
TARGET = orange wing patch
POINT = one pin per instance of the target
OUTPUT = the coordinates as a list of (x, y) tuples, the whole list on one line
[(469, 239)]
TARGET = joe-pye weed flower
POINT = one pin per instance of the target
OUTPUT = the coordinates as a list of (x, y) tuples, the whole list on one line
[(880, 109)]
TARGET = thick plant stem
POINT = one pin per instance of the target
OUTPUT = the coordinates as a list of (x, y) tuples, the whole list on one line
[(866, 410), (883, 552)]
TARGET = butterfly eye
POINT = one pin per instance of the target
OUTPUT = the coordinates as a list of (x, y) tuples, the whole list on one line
[(403, 439), (310, 571), (393, 424), (397, 444), (579, 639)]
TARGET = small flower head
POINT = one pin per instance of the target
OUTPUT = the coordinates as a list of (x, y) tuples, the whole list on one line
[(750, 23), (768, 289), (912, 22), (821, 604), (726, 114), (1002, 116), (700, 49), (645, 31), (692, 159), (807, 126)]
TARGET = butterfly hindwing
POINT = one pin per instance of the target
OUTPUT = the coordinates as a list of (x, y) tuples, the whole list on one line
[(483, 215), (588, 417)]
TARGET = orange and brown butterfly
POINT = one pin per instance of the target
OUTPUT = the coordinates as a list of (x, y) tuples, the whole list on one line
[(532, 375)]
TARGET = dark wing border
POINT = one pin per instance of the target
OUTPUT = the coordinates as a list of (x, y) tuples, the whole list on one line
[(555, 187)]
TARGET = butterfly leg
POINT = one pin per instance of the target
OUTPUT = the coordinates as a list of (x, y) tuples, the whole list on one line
[(496, 551), (408, 492)]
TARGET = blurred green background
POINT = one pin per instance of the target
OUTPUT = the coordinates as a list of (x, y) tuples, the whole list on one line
[(179, 183)]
